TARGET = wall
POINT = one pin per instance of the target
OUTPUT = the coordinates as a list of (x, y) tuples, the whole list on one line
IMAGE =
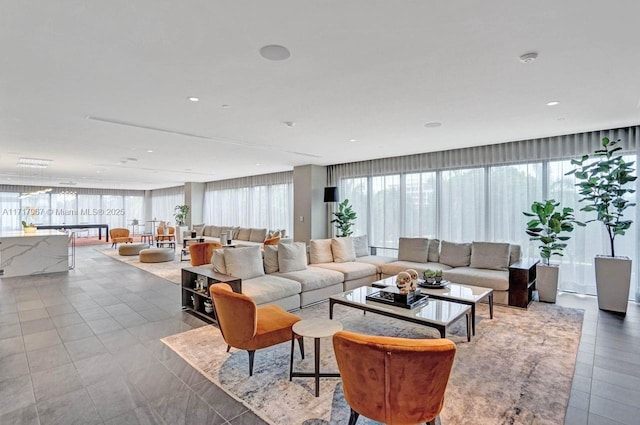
[(309, 209)]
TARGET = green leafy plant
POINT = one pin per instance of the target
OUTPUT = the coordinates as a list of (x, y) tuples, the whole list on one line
[(25, 224), (180, 214), (344, 219), (548, 227), (603, 184)]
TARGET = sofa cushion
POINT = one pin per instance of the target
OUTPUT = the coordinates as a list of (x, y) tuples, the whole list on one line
[(515, 252), (455, 254), (434, 250), (243, 234), (490, 255), (292, 257), (413, 249), (361, 245), (495, 279), (206, 231), (258, 235), (215, 231), (351, 270), (269, 288), (270, 258), (376, 260), (226, 230), (273, 234), (314, 278), (245, 263), (342, 250), (395, 267), (198, 228), (320, 251), (218, 261)]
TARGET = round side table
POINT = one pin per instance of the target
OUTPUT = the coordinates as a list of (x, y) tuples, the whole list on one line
[(316, 329)]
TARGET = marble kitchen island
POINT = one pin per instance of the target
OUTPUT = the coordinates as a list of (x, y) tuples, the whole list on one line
[(23, 254)]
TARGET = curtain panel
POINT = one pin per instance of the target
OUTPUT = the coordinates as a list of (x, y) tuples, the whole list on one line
[(480, 193), (164, 202)]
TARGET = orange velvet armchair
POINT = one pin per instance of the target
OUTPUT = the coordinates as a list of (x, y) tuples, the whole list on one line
[(201, 253), (248, 327), (119, 235), (393, 380), (166, 233)]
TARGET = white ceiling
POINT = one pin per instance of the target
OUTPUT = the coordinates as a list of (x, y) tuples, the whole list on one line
[(373, 71)]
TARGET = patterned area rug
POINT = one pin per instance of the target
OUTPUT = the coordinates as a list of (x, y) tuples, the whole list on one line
[(170, 270), (518, 368)]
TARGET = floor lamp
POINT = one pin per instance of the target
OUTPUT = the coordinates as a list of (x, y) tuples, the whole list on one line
[(330, 195)]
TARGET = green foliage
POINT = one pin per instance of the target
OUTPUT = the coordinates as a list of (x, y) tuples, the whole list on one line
[(24, 224), (603, 184), (344, 219), (429, 273), (180, 214), (548, 227)]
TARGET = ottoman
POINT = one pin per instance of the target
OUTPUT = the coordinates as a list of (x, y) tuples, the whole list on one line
[(132, 249), (157, 255)]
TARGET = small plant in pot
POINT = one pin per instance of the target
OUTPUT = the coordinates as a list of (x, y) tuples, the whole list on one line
[(604, 179), (438, 276), (28, 227), (429, 276), (549, 226)]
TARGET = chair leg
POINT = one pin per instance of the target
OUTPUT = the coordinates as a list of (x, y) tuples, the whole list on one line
[(252, 353), (432, 421), (301, 344), (228, 348), (353, 418)]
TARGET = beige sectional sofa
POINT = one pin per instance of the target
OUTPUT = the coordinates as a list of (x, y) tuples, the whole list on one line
[(483, 264), (241, 236)]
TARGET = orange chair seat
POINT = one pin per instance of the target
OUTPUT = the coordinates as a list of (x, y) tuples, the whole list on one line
[(274, 326), (123, 239)]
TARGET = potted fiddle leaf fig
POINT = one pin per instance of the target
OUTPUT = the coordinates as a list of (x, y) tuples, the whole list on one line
[(604, 180), (345, 219), (550, 227), (180, 214)]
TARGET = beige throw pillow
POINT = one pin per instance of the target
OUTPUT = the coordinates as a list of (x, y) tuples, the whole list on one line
[(292, 257), (198, 228), (455, 254), (244, 263), (413, 249), (258, 235), (243, 234), (490, 255), (342, 249), (320, 251), (218, 261), (270, 258), (434, 250), (361, 245)]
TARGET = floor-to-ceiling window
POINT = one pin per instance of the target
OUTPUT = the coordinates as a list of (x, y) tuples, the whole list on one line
[(164, 202)]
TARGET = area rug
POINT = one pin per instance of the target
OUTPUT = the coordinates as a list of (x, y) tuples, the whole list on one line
[(170, 270), (518, 369)]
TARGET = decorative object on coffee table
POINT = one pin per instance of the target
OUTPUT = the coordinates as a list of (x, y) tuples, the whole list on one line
[(605, 188), (414, 279), (403, 281)]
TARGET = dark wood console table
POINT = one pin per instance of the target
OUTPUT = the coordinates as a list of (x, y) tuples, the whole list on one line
[(522, 282), (78, 226), (189, 276)]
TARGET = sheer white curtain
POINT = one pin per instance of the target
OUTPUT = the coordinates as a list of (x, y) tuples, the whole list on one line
[(480, 193), (264, 201), (164, 202)]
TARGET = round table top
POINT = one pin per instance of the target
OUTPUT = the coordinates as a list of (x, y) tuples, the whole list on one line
[(317, 328)]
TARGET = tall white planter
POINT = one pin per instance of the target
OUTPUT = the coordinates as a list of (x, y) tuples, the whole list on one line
[(180, 233), (547, 282), (613, 278)]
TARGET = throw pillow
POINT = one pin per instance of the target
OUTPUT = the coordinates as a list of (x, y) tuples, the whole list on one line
[(198, 228), (206, 231), (320, 251), (455, 254), (342, 249), (272, 241), (218, 261), (258, 235), (292, 257), (490, 255), (361, 245), (243, 234), (270, 259), (434, 250), (413, 249), (244, 263), (215, 231)]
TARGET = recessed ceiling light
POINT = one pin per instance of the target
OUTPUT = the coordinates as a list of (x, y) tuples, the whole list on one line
[(98, 171), (352, 140), (225, 106), (433, 124), (289, 123), (149, 151), (528, 57), (257, 163), (274, 52), (553, 103), (194, 99)]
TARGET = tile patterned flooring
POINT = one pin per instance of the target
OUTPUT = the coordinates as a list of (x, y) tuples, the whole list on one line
[(84, 348)]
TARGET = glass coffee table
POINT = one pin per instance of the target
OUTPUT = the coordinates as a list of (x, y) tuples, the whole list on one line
[(454, 292), (436, 313)]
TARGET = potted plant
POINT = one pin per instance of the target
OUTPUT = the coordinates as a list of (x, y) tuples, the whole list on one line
[(438, 276), (429, 276), (548, 226), (603, 181), (28, 227), (180, 215), (345, 218)]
